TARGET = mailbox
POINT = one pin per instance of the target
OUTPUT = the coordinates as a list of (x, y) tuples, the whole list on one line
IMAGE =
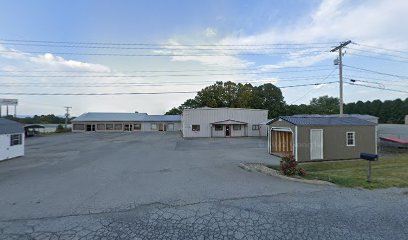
[(369, 156)]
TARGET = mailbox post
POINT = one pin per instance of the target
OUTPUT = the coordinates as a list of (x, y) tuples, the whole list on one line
[(369, 157)]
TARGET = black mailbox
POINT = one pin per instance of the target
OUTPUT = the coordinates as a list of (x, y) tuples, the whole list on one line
[(369, 156)]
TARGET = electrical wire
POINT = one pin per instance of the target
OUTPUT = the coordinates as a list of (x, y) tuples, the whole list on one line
[(381, 88), (158, 55), (377, 58), (307, 93), (162, 75), (158, 44), (130, 93)]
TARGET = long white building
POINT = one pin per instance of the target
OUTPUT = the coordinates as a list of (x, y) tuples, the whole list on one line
[(128, 122), (224, 122), (11, 139)]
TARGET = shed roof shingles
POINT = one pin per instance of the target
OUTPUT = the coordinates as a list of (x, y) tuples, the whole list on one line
[(326, 121), (9, 127)]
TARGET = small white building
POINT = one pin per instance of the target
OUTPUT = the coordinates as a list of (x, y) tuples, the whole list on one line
[(11, 139), (224, 122), (125, 122)]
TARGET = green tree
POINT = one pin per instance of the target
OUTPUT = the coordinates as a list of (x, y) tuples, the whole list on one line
[(325, 105)]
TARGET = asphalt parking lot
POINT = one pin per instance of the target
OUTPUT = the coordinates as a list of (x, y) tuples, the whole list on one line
[(161, 186), (77, 173)]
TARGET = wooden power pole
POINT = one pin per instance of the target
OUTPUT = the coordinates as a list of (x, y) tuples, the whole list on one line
[(67, 116), (340, 49)]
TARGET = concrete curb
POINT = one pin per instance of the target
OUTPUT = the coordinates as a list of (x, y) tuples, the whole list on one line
[(259, 167)]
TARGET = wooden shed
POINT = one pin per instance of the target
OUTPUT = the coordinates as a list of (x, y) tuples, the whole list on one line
[(315, 138)]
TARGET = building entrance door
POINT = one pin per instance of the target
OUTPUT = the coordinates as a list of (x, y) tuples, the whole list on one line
[(162, 127), (90, 127), (227, 131), (128, 127), (316, 144)]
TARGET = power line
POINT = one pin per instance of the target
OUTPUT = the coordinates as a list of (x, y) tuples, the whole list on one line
[(157, 55), (163, 75), (158, 44), (171, 47), (377, 72), (378, 53), (164, 71), (133, 93), (307, 93), (155, 83), (378, 58), (377, 47), (381, 88), (379, 83)]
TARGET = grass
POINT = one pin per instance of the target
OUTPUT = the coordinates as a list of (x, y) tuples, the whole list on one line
[(387, 172)]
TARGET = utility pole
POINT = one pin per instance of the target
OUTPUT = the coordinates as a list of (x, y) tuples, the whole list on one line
[(67, 116), (340, 49)]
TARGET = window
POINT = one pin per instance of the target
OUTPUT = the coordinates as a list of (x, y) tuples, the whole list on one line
[(255, 127), (154, 126), (78, 127), (100, 126), (118, 126), (170, 127), (236, 127), (137, 126), (195, 128), (218, 127), (109, 126), (16, 139), (351, 138)]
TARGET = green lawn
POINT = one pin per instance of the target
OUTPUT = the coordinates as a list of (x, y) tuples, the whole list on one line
[(387, 172)]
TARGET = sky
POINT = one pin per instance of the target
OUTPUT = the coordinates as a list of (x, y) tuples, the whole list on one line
[(176, 48)]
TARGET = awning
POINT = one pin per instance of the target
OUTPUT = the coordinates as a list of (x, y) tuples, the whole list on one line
[(229, 122)]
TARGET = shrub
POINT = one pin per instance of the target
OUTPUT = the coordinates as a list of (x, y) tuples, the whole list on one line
[(289, 166), (61, 129)]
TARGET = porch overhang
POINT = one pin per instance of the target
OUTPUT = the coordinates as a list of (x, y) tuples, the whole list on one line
[(229, 122)]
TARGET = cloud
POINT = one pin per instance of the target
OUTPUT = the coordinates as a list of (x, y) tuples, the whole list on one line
[(59, 62), (210, 32)]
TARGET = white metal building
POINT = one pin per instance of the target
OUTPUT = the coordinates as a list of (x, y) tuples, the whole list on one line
[(224, 122), (119, 122), (11, 139)]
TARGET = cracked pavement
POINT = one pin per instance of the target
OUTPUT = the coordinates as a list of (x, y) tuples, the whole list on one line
[(122, 186)]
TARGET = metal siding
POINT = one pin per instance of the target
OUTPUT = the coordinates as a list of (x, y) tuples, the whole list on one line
[(204, 118)]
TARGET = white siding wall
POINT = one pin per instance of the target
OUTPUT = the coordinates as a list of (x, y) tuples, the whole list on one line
[(7, 151), (205, 116), (146, 126)]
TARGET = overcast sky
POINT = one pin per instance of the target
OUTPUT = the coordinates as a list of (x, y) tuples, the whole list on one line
[(239, 40)]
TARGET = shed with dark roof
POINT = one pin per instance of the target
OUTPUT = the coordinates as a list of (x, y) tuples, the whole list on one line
[(11, 139), (314, 138)]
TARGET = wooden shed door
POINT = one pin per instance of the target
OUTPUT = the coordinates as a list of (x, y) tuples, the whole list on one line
[(282, 141), (316, 144)]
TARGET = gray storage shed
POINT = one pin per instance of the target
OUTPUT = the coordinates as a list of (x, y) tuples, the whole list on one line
[(312, 138)]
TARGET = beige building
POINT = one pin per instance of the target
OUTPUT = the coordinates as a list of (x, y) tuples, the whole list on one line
[(321, 138), (128, 122), (224, 122)]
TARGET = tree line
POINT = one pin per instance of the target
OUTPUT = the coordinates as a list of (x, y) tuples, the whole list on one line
[(39, 119), (269, 97)]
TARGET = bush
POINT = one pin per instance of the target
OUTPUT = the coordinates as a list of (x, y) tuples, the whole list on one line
[(61, 129), (288, 166)]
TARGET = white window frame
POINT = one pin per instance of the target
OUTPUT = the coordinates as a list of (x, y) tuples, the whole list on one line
[(17, 141), (236, 127), (354, 139), (220, 129), (153, 126), (255, 127), (195, 130)]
